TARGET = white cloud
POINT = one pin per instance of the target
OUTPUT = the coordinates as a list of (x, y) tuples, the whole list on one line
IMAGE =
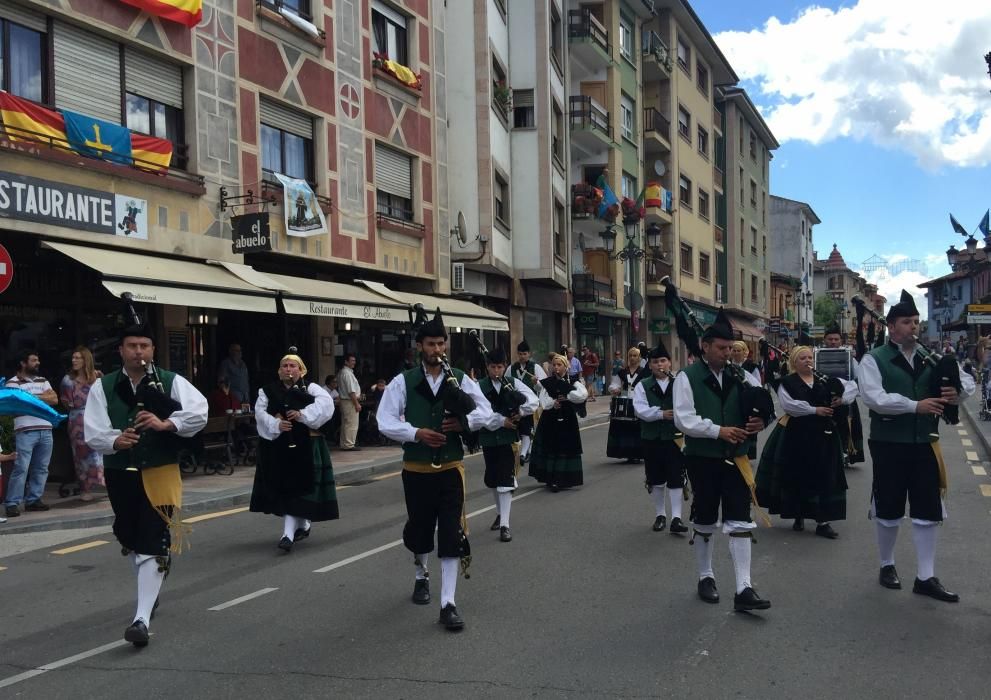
[(904, 74), (891, 286)]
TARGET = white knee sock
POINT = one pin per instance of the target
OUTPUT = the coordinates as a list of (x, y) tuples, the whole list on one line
[(677, 496), (739, 549), (657, 494), (421, 568), (495, 496), (925, 549), (505, 505), (289, 527), (524, 445), (886, 537), (304, 523), (703, 555), (448, 579), (149, 584)]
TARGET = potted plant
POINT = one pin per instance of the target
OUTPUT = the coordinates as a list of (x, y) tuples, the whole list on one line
[(632, 212), (502, 96)]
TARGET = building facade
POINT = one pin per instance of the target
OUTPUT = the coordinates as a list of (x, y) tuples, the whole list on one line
[(833, 278), (791, 256)]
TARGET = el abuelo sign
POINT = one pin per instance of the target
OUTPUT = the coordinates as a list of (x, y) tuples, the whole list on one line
[(251, 233), (342, 309)]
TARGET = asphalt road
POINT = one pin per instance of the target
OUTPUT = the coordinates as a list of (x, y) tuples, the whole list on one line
[(586, 601)]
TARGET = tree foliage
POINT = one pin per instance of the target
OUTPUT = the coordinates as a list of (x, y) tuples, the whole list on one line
[(826, 311)]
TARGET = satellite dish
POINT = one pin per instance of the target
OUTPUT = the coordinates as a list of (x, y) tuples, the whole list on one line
[(461, 229), (659, 167)]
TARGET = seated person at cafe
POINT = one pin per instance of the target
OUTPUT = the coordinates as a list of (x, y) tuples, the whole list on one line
[(223, 398)]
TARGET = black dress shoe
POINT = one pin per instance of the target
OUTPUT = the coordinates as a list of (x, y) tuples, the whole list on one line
[(421, 591), (678, 527), (660, 522), (798, 525), (12, 511), (934, 589), (554, 488), (285, 544), (504, 535), (450, 618), (38, 506), (749, 600), (137, 634), (889, 577), (827, 531), (301, 534), (495, 523), (707, 590)]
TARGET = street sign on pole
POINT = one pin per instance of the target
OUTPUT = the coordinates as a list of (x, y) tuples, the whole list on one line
[(6, 269), (975, 319)]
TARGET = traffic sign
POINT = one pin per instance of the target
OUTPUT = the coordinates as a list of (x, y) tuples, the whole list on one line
[(979, 308), (975, 319), (6, 269)]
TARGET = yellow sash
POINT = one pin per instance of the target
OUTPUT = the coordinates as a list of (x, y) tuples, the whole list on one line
[(428, 468), (163, 487), (746, 471)]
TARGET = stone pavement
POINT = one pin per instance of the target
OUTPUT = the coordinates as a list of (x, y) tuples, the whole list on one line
[(203, 492)]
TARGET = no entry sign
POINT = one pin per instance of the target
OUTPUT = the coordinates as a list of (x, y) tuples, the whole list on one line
[(6, 269)]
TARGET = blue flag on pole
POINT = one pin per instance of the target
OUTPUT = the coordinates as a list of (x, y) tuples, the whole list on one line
[(97, 138), (608, 197), (957, 227), (984, 225)]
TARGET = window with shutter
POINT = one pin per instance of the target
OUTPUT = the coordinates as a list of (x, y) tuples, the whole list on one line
[(523, 109), (393, 183), (87, 73), (287, 141)]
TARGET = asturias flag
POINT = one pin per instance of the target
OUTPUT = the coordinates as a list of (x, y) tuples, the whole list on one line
[(97, 138), (26, 121), (188, 12)]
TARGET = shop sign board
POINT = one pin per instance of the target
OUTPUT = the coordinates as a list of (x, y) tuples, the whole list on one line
[(25, 198), (975, 319), (979, 308), (587, 322), (251, 233), (342, 309), (6, 269)]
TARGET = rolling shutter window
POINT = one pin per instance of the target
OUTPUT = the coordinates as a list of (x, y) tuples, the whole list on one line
[(23, 16), (87, 73), (393, 172), (522, 98), (285, 119), (151, 77)]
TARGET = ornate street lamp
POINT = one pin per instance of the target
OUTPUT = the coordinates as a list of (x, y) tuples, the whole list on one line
[(633, 253)]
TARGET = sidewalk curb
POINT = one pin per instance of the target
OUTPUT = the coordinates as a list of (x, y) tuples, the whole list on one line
[(976, 427), (230, 498)]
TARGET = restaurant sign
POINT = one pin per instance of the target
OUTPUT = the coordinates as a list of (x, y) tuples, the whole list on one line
[(343, 309)]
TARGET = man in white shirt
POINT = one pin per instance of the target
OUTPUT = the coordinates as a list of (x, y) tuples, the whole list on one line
[(32, 440), (350, 404)]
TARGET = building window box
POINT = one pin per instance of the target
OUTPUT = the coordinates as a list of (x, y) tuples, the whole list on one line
[(399, 73), (269, 11), (400, 225), (502, 98)]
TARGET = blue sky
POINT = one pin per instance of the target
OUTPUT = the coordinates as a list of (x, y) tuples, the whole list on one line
[(884, 116)]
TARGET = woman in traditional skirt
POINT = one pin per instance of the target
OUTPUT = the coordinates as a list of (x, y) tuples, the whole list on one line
[(624, 428), (801, 469), (294, 478), (556, 458)]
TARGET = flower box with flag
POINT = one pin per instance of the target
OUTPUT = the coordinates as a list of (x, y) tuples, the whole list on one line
[(403, 74)]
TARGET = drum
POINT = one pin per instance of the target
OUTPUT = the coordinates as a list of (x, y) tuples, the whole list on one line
[(834, 362), (621, 409)]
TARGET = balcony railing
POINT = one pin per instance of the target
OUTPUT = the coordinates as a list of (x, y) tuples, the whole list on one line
[(272, 191), (654, 46), (403, 223), (586, 113), (582, 24), (654, 121), (589, 289)]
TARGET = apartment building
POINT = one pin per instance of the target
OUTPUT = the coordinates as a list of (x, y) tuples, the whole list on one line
[(833, 278), (748, 146), (791, 256), (507, 136), (349, 98)]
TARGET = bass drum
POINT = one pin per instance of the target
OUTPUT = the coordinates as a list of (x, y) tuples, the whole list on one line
[(621, 409)]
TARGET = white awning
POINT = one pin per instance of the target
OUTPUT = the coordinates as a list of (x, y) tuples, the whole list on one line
[(307, 297), (155, 280), (456, 312)]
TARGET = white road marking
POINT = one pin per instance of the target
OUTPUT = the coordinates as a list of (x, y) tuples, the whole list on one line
[(396, 543), (961, 431), (972, 456), (986, 490), (243, 599), (978, 471), (62, 662), (966, 443)]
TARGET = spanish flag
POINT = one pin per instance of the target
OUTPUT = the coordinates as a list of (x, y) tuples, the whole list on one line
[(26, 121), (187, 12), (150, 153)]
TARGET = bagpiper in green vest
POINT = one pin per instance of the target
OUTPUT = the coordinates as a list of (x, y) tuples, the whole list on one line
[(529, 379), (154, 448), (658, 429), (721, 407), (497, 399), (425, 410), (897, 379)]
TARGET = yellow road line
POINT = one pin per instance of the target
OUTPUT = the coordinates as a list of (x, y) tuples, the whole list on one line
[(972, 456), (978, 471), (986, 490), (80, 547), (211, 516), (386, 476), (966, 443)]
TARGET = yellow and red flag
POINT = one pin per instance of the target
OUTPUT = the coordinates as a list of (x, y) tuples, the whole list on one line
[(150, 153), (188, 12), (26, 121)]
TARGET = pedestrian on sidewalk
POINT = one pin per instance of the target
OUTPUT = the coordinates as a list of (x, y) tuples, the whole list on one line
[(141, 461), (235, 370), (32, 440), (511, 400), (557, 447), (904, 444), (590, 365), (294, 478), (530, 373), (350, 402), (75, 389), (664, 464), (412, 412)]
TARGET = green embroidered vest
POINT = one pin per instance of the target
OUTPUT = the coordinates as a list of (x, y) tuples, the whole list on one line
[(424, 410), (904, 427), (503, 436), (658, 429), (154, 448), (723, 410), (529, 379)]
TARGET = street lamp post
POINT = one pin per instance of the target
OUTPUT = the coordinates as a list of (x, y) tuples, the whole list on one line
[(633, 253)]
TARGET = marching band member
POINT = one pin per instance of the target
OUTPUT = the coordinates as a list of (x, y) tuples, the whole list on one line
[(530, 373), (415, 412), (624, 432), (511, 400), (847, 416), (664, 464), (557, 447), (294, 478)]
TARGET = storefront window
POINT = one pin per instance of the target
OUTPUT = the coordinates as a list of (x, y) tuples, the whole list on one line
[(542, 332)]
